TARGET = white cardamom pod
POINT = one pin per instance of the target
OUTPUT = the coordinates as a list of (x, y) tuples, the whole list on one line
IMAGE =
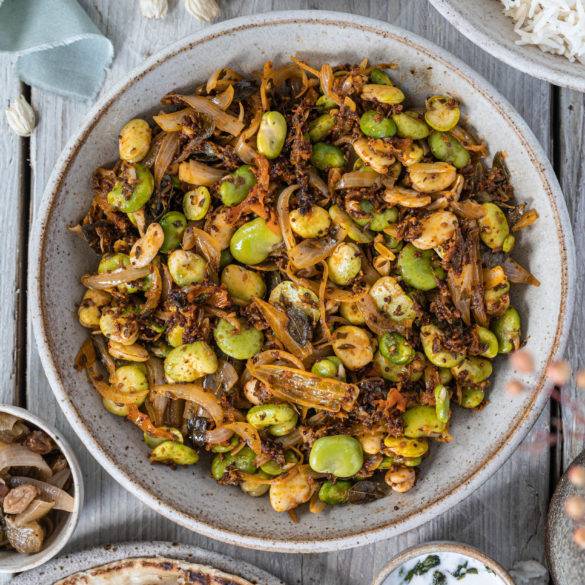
[(154, 8), (21, 116), (205, 10)]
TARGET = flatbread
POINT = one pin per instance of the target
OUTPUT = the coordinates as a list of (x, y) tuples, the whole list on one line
[(152, 571)]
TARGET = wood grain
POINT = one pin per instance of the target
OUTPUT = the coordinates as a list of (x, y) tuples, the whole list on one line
[(13, 219), (506, 515), (571, 168)]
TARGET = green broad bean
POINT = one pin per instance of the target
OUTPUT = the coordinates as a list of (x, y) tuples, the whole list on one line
[(344, 264), (388, 370), (381, 220), (507, 329), (269, 415), (321, 127), (186, 267), (113, 262), (89, 311), (131, 379), (219, 465), (313, 224), (421, 421), (393, 243), (119, 327), (473, 370), (445, 375), (114, 408), (326, 156), (340, 455), (325, 103), (255, 489), (383, 93), (386, 463), (404, 447), (328, 367), (282, 429), (472, 397), (352, 313), (419, 268), (234, 188), (395, 348), (226, 447), (244, 460), (442, 113), (448, 149), (140, 195), (242, 344), (271, 134), (352, 346), (289, 294), (152, 441), (442, 403), (380, 77), (134, 140), (175, 453), (173, 224), (175, 335), (273, 468), (411, 125), (508, 243), (190, 362), (494, 228), (225, 258), (411, 461), (343, 219), (243, 285), (431, 338), (488, 342), (196, 203), (335, 493), (391, 299), (253, 242), (375, 125)]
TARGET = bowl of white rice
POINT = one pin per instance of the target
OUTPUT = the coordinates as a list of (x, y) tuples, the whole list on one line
[(544, 38)]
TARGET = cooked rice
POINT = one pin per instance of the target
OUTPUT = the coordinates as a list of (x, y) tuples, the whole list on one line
[(555, 26)]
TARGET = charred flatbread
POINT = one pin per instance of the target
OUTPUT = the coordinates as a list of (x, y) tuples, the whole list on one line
[(152, 571)]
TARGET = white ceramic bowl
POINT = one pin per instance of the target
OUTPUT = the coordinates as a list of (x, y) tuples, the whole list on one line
[(13, 562), (190, 496), (441, 547), (484, 23)]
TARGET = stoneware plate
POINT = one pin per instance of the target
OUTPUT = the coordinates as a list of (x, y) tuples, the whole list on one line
[(13, 562), (69, 564), (484, 23), (190, 496), (438, 548), (566, 560)]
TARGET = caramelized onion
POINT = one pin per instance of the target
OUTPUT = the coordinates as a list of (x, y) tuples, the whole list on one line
[(206, 244), (193, 392), (357, 179), (172, 121), (284, 217), (221, 119), (312, 251), (196, 173), (278, 321), (248, 433), (225, 98), (305, 388), (165, 155), (517, 274), (143, 422), (108, 280)]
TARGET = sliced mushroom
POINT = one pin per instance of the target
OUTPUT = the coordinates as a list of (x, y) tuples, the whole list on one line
[(18, 499), (27, 539)]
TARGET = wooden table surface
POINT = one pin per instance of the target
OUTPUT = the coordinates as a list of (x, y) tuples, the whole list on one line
[(506, 516)]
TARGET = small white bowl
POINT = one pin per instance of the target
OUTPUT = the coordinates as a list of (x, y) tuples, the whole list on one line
[(438, 547), (13, 562)]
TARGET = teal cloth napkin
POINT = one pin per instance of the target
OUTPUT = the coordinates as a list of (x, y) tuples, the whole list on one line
[(58, 47)]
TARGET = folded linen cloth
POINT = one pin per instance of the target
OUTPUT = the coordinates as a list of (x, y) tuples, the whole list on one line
[(58, 47)]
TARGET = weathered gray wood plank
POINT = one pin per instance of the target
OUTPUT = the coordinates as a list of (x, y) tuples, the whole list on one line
[(505, 517), (13, 219), (572, 173)]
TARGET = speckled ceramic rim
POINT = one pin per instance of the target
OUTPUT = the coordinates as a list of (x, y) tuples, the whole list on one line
[(26, 562), (72, 563), (506, 445), (443, 546), (515, 58)]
